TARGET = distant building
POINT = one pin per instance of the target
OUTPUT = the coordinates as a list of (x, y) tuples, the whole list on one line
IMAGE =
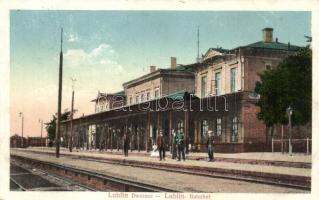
[(16, 141), (37, 141)]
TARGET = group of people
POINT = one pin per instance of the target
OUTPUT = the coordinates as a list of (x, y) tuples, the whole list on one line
[(178, 145)]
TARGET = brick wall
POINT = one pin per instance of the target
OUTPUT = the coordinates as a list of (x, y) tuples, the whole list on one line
[(253, 129)]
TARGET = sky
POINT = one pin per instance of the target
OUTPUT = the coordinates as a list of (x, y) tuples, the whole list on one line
[(104, 49)]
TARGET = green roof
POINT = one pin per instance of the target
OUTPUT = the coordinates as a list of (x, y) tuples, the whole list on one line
[(273, 45), (220, 50), (186, 68), (179, 95), (120, 93)]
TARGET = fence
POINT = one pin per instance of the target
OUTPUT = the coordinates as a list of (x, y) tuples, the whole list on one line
[(298, 145)]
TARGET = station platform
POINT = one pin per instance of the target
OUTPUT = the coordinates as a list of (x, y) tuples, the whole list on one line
[(298, 160), (256, 166), (105, 162)]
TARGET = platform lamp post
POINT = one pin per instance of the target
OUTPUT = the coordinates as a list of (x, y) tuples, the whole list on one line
[(22, 120), (289, 113), (41, 122)]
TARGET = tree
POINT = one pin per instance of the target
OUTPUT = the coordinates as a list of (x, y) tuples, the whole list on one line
[(51, 126), (289, 84)]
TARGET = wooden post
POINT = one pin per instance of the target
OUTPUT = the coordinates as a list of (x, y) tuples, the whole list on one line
[(272, 145), (132, 137), (195, 134), (307, 145), (282, 139), (170, 130), (186, 130), (138, 138), (158, 124), (83, 136), (112, 135), (117, 139), (107, 136), (148, 129)]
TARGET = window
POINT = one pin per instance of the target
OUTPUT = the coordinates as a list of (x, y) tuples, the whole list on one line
[(156, 93), (218, 83), (218, 126), (148, 96), (233, 79), (203, 87), (180, 126), (268, 66), (142, 97), (204, 130), (136, 99), (234, 132), (131, 100)]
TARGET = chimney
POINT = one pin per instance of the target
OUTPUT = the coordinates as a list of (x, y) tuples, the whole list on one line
[(276, 40), (267, 34), (173, 62), (152, 68)]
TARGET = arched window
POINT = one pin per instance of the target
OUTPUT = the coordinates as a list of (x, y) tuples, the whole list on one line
[(234, 135), (219, 126), (204, 130), (180, 126)]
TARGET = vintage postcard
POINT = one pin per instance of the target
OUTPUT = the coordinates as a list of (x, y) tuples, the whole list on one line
[(174, 100)]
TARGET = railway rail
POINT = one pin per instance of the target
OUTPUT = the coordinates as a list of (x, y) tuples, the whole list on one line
[(91, 179), (22, 173), (290, 181)]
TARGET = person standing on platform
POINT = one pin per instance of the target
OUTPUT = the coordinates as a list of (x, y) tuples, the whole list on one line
[(209, 144), (125, 145), (161, 145), (180, 145), (173, 145)]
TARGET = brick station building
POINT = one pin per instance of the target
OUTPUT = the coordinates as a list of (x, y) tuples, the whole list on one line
[(216, 93)]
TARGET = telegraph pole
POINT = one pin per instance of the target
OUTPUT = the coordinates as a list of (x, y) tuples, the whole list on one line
[(57, 135), (72, 111), (41, 121), (22, 119), (198, 58)]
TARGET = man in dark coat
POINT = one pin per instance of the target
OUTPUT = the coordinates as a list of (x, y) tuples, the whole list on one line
[(161, 145), (125, 144), (180, 145), (209, 144), (174, 145)]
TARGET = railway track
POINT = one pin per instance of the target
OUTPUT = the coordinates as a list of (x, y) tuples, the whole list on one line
[(89, 179), (22, 173), (295, 181)]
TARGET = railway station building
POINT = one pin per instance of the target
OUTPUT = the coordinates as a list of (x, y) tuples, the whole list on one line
[(214, 93)]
